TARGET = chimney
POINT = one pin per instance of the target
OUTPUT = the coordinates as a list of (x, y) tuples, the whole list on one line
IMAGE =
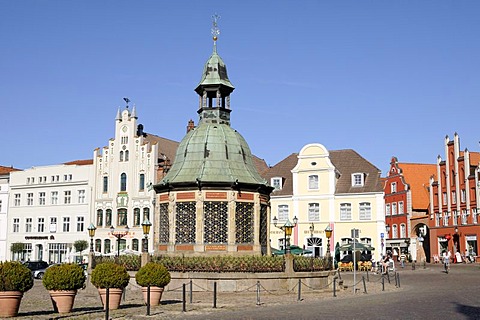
[(190, 126)]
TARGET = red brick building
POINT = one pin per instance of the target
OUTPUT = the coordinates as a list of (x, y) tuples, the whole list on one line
[(407, 208), (454, 194)]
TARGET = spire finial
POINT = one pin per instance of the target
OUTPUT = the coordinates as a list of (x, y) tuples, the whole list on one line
[(215, 29)]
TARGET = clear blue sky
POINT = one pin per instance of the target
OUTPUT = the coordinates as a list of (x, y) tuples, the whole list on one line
[(381, 77)]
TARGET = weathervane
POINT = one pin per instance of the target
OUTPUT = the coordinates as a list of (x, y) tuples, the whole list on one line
[(215, 29), (126, 101)]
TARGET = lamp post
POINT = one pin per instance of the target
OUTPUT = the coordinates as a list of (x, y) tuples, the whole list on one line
[(146, 230), (119, 235), (328, 234), (91, 232), (287, 231)]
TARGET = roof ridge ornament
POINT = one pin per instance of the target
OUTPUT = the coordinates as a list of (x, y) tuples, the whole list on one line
[(215, 31)]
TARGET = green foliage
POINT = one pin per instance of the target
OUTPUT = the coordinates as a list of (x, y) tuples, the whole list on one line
[(110, 275), (301, 263), (130, 262), (16, 247), (80, 245), (222, 263), (154, 274), (67, 276), (15, 277)]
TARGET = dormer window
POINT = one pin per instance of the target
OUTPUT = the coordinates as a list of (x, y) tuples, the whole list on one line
[(277, 183), (358, 179)]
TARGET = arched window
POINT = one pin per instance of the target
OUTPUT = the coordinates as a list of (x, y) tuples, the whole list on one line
[(105, 184), (136, 217), (394, 231), (122, 217), (99, 218), (403, 231), (108, 217), (146, 213), (126, 155), (98, 245), (135, 244), (106, 247), (141, 186), (121, 156), (123, 182), (123, 244)]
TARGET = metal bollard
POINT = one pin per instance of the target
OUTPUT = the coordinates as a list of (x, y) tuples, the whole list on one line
[(368, 277), (364, 285), (413, 265), (184, 297), (334, 286), (258, 293), (148, 300), (388, 277), (214, 294), (383, 283), (398, 276), (396, 283), (191, 291), (339, 275), (299, 290), (107, 304)]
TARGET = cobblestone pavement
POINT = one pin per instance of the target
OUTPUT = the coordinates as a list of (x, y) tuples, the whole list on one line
[(36, 302)]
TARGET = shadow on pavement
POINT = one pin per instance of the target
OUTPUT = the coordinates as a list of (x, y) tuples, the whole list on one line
[(469, 311)]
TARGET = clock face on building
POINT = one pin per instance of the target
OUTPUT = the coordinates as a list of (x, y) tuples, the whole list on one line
[(124, 128)]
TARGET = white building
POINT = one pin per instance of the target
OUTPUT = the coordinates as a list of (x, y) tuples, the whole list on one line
[(4, 187), (48, 210), (124, 170)]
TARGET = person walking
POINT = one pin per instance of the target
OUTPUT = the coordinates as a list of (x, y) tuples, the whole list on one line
[(446, 260), (403, 257)]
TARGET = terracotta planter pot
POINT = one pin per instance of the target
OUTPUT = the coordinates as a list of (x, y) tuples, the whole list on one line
[(155, 295), (63, 300), (114, 299), (10, 303)]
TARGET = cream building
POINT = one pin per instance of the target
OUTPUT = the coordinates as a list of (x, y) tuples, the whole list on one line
[(48, 210), (4, 189), (324, 188)]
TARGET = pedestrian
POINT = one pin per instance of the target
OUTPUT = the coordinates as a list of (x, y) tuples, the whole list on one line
[(403, 257)]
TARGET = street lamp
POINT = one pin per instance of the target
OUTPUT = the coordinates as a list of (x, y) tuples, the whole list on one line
[(287, 230), (119, 235), (328, 234), (91, 232), (312, 228), (146, 230)]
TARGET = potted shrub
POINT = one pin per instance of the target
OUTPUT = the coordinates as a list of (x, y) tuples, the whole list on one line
[(15, 279), (157, 277), (62, 281), (113, 276)]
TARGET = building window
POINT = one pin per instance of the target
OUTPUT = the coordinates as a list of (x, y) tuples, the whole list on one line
[(124, 140), (0, 204), (54, 197), (135, 245), (28, 224), (17, 200), (345, 211), (387, 209), (66, 224), (474, 216), (282, 212), (394, 208), (107, 246), (445, 218), (108, 217), (126, 155), (29, 199), (121, 156), (123, 182), (444, 196), (98, 245), (313, 182), (393, 187), (464, 217), (105, 184), (454, 197), (16, 224), (403, 231), (313, 212), (122, 217), (365, 211), (141, 187), (53, 224), (41, 198), (394, 231), (80, 224), (438, 217), (401, 209), (455, 218), (41, 225), (67, 197), (357, 180), (277, 183), (146, 214), (81, 196), (136, 217), (463, 196), (99, 218)]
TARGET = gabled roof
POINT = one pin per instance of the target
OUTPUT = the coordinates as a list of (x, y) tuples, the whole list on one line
[(283, 170), (474, 158), (6, 170), (79, 162), (166, 146), (417, 176)]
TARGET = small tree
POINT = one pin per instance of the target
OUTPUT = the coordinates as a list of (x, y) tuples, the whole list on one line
[(80, 245), (16, 247)]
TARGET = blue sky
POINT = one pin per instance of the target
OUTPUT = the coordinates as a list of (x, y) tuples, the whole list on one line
[(381, 77)]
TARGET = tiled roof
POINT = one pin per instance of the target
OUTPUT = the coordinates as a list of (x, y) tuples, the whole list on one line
[(346, 163), (165, 146), (79, 162), (5, 170), (474, 158), (417, 175)]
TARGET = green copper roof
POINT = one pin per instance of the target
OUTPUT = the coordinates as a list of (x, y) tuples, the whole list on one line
[(214, 73), (213, 153)]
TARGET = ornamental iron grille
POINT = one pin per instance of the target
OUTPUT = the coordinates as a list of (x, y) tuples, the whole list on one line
[(185, 220), (216, 222), (244, 222), (164, 226), (263, 228)]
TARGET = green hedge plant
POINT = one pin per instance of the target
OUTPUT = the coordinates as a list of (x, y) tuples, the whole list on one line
[(110, 275), (153, 274), (67, 276), (15, 277)]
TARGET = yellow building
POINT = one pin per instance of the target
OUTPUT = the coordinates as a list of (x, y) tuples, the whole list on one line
[(324, 188)]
